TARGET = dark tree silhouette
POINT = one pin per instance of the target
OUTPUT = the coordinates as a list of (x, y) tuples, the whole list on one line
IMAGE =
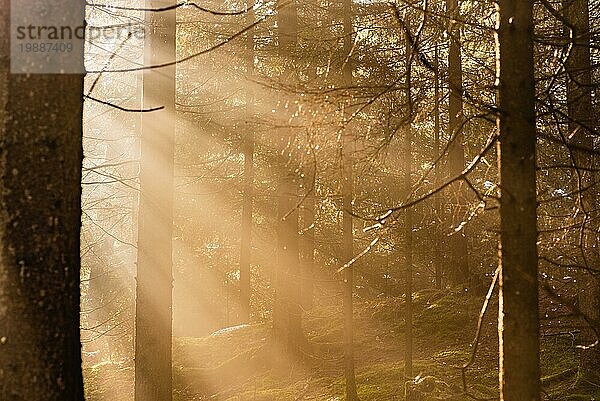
[(40, 218), (518, 322)]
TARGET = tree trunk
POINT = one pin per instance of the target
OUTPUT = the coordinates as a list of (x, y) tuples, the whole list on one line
[(437, 257), (287, 316), (456, 154), (40, 218), (248, 151), (307, 246), (153, 331), (581, 124), (408, 228), (518, 324), (347, 195)]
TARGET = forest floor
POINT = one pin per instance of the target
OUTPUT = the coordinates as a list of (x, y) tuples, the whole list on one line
[(232, 365)]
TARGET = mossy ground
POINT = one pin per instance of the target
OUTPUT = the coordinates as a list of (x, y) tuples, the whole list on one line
[(233, 366)]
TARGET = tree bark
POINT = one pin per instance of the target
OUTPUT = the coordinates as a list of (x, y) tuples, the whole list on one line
[(518, 321), (40, 219), (153, 331)]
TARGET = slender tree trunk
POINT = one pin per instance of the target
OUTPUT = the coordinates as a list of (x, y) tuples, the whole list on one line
[(408, 228), (308, 211), (246, 241), (348, 240), (581, 126), (248, 150), (40, 218), (518, 321), (153, 331), (456, 154), (287, 315), (348, 234), (309, 208), (437, 257), (307, 246)]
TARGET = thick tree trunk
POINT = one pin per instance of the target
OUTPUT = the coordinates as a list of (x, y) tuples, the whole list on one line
[(582, 122), (247, 203), (40, 218), (456, 155), (153, 331), (518, 321)]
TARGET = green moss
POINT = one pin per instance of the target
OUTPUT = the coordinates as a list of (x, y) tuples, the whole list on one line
[(444, 325), (550, 348)]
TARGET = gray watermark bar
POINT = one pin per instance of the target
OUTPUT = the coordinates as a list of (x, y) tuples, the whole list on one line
[(47, 36)]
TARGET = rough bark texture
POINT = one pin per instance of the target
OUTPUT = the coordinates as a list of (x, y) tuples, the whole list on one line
[(518, 320), (458, 263), (153, 331), (581, 125), (40, 218)]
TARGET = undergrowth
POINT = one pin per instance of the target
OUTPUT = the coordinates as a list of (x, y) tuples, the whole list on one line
[(232, 366)]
